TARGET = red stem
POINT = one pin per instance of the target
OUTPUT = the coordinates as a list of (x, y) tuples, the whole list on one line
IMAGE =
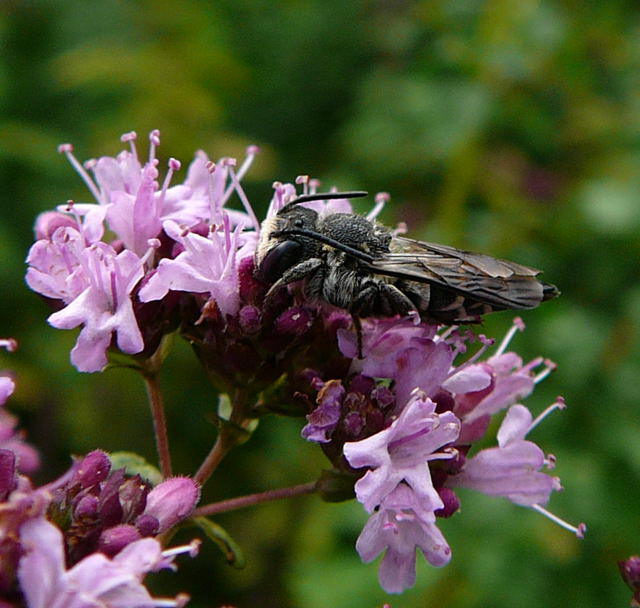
[(159, 423), (254, 499)]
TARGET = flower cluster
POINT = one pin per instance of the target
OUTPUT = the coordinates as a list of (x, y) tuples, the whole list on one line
[(390, 403), (88, 537), (404, 425), (165, 237)]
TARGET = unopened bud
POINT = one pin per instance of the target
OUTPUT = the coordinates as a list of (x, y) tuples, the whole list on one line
[(113, 540), (93, 469), (172, 501)]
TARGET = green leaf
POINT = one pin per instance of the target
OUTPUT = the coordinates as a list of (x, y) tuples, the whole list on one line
[(135, 464), (228, 546)]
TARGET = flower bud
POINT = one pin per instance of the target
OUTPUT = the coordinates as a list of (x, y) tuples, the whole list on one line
[(294, 321), (86, 507), (147, 525), (630, 571), (172, 500), (113, 540), (93, 469), (249, 317)]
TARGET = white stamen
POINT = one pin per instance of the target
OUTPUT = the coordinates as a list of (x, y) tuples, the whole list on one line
[(517, 326), (578, 530), (304, 180), (486, 343), (131, 138), (180, 601), (401, 228), (245, 201), (174, 165), (559, 404), (214, 205), (192, 549), (9, 344), (381, 199), (549, 367), (153, 245), (447, 453), (252, 152), (67, 150), (314, 184), (447, 332), (154, 142)]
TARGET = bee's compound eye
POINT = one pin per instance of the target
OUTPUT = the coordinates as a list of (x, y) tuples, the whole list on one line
[(298, 223), (280, 258)]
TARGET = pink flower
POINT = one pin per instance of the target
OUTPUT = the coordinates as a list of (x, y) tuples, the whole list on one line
[(513, 468), (96, 580), (104, 307), (56, 268), (401, 453), (399, 527), (207, 265)]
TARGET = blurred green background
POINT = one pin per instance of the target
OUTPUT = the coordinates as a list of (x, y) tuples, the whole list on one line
[(507, 127)]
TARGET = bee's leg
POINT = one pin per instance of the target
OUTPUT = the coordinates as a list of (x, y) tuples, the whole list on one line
[(295, 273), (396, 301)]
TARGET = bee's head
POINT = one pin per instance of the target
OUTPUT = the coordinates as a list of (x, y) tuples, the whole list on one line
[(276, 253)]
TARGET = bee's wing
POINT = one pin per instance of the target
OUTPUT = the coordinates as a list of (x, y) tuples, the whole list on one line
[(498, 283)]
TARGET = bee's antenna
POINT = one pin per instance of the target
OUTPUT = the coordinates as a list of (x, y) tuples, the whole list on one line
[(322, 196)]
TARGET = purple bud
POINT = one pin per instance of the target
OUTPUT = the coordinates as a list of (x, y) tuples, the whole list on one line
[(353, 424), (296, 321), (49, 221), (93, 469), (113, 540), (451, 503), (7, 473), (249, 317), (133, 497), (362, 384), (87, 506), (630, 570), (147, 525), (110, 508), (383, 396), (172, 500)]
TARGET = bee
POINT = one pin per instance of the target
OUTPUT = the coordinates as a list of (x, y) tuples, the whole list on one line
[(361, 266)]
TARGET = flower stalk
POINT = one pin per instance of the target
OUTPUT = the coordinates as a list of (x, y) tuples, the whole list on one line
[(232, 433), (254, 499), (156, 404)]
